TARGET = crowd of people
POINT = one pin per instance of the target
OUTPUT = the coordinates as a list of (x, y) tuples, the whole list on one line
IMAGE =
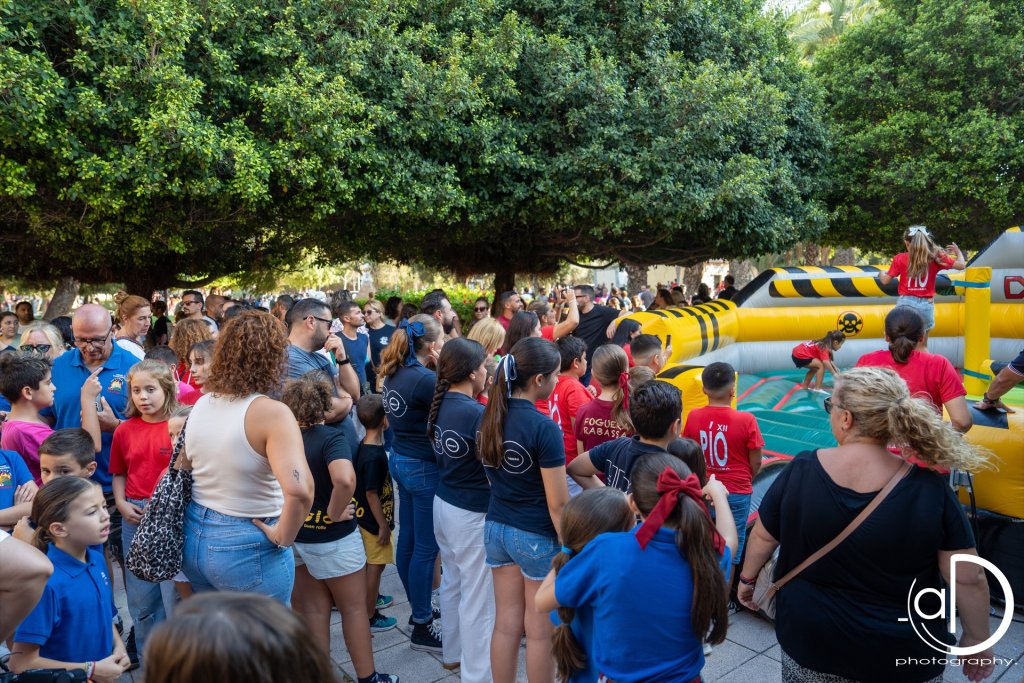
[(541, 476)]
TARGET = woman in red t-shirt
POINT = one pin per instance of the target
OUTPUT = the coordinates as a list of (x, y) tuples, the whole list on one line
[(816, 356)]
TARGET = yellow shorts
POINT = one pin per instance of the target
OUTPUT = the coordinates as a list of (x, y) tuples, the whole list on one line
[(375, 552)]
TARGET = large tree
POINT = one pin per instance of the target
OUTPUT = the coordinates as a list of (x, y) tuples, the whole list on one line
[(644, 132), (928, 105)]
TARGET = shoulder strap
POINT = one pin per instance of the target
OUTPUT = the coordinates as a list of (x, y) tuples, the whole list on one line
[(850, 528)]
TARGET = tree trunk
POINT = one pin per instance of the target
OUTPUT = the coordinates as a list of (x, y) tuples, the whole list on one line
[(743, 271), (63, 298), (844, 257), (636, 277), (692, 277), (812, 254)]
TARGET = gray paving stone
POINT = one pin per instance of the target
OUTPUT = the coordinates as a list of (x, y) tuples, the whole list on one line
[(757, 670), (752, 632), (725, 658)]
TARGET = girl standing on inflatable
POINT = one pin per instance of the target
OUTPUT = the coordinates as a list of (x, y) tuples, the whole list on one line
[(816, 356), (916, 269)]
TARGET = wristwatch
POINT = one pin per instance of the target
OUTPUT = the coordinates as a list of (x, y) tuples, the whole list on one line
[(345, 361)]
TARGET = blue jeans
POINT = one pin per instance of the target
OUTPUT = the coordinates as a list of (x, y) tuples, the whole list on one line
[(224, 553), (506, 545), (924, 307), (148, 603), (416, 551), (739, 503)]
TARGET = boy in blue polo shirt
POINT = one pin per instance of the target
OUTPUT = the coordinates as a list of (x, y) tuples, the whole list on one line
[(17, 489)]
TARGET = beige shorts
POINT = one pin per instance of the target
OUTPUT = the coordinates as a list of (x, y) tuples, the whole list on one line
[(375, 552)]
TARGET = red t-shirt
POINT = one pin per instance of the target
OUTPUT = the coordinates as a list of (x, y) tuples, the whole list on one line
[(726, 436), (810, 350), (914, 286), (548, 332), (140, 450), (595, 424), (927, 375), (566, 400)]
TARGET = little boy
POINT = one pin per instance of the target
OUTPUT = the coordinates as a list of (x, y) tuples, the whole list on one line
[(731, 441), (375, 505), (25, 382), (655, 409), (569, 395), (17, 489)]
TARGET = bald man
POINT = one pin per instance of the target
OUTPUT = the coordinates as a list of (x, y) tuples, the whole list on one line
[(94, 351)]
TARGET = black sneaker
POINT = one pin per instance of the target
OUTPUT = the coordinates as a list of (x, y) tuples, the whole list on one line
[(386, 678), (132, 650), (427, 637), (436, 616)]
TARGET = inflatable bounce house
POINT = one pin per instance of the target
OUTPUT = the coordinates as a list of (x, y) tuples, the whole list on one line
[(979, 315)]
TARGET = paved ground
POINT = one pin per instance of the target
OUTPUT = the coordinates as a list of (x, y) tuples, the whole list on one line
[(750, 654)]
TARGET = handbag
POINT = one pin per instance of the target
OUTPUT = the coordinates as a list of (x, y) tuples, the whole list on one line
[(765, 589), (156, 550)]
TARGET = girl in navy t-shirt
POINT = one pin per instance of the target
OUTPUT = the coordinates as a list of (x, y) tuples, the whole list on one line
[(677, 549), (524, 457), (408, 391), (460, 506)]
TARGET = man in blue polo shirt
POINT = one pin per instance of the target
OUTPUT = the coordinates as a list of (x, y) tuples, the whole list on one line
[(94, 349)]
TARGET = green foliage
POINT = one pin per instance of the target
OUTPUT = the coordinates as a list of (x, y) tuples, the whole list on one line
[(144, 140), (928, 105), (819, 24), (461, 298)]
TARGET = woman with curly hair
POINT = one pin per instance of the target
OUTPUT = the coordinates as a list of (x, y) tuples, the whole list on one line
[(251, 485), (187, 334)]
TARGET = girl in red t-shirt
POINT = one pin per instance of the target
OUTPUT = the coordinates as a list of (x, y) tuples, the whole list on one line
[(606, 417), (816, 356), (916, 269), (139, 455)]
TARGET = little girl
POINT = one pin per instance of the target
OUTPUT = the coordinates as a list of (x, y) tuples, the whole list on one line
[(816, 356), (916, 269), (72, 626), (524, 458), (200, 357), (593, 512), (139, 454), (607, 417), (677, 549)]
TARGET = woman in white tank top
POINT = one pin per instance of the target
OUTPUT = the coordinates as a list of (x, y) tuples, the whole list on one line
[(251, 485)]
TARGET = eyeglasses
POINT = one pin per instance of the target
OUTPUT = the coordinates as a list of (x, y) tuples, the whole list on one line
[(829, 405), (95, 343), (323, 320), (368, 311), (480, 310), (190, 301), (36, 348)]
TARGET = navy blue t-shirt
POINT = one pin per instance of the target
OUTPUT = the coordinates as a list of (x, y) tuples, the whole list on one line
[(463, 482), (357, 350), (379, 340), (408, 394), (532, 441), (615, 458)]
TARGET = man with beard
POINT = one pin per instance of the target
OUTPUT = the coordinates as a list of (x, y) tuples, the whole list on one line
[(309, 324), (436, 304)]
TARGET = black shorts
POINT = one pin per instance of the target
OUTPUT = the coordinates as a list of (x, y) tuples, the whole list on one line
[(1017, 364), (114, 538), (801, 362)]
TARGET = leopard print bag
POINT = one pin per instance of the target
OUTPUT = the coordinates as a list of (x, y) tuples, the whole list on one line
[(157, 548)]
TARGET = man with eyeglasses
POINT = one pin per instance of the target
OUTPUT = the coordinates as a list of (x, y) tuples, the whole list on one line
[(192, 307), (312, 346), (94, 352), (594, 322)]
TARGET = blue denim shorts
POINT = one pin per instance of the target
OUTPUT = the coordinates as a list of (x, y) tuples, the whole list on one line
[(506, 545), (925, 307)]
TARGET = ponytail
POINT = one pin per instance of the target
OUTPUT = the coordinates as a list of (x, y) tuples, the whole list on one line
[(584, 517), (904, 328), (695, 539), (459, 358), (920, 251), (611, 367), (830, 338), (530, 357), (399, 351)]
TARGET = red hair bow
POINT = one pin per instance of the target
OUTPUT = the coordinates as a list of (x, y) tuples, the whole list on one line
[(670, 486)]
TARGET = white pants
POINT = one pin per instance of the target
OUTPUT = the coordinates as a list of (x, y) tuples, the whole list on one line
[(467, 592)]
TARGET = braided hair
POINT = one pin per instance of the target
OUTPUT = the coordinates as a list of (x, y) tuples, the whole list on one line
[(459, 358)]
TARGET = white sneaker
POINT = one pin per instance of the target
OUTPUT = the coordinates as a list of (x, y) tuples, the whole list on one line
[(435, 599), (707, 649)]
